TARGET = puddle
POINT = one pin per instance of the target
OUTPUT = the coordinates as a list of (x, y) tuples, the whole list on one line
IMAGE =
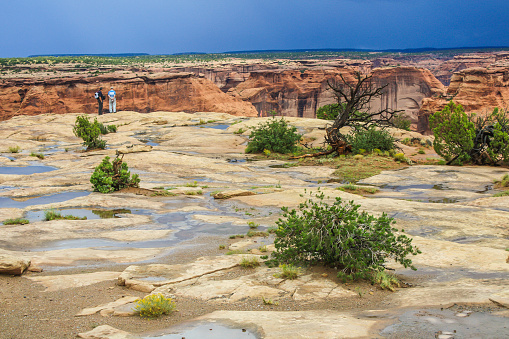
[(78, 212), (216, 126), (409, 187), (26, 170), (237, 161), (41, 200), (435, 323), (10, 158), (209, 331), (149, 142)]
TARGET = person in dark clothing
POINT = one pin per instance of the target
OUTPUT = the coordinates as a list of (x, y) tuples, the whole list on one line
[(100, 98)]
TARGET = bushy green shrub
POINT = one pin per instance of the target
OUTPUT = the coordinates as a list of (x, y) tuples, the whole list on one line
[(14, 149), (89, 132), (328, 112), (112, 128), (454, 133), (370, 139), (275, 135), (154, 305), (113, 176), (340, 236), (498, 148)]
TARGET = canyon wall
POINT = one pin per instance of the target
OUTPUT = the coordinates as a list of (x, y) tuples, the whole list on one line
[(182, 92), (301, 92), (476, 89), (256, 87)]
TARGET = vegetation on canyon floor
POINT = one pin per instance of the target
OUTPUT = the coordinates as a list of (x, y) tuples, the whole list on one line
[(56, 215), (113, 176), (17, 221), (339, 235), (155, 305), (274, 135), (89, 132)]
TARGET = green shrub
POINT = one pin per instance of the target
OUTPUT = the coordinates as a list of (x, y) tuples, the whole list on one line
[(17, 221), (340, 236), (89, 132), (154, 305), (252, 224), (102, 128), (55, 215), (454, 133), (37, 155), (14, 149), (273, 136), (328, 112), (249, 262), (113, 176), (401, 122), (385, 280), (370, 139), (252, 233), (400, 157), (288, 271), (504, 182), (498, 148), (112, 128)]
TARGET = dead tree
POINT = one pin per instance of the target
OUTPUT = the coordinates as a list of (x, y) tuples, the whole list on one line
[(354, 111)]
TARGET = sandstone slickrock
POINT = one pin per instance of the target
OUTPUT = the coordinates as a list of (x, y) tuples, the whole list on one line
[(298, 324), (10, 264), (109, 306), (107, 332), (60, 282)]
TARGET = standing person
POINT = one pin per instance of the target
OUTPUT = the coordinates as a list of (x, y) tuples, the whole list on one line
[(100, 98), (112, 95)]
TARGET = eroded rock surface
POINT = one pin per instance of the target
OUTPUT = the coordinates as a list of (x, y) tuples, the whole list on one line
[(449, 211)]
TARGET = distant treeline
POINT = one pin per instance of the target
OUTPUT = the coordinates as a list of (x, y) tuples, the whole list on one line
[(115, 55), (275, 52), (406, 50)]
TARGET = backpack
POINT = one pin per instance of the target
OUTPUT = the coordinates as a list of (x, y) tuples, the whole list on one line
[(96, 95)]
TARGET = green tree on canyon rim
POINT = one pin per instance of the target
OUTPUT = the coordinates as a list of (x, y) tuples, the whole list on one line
[(470, 138)]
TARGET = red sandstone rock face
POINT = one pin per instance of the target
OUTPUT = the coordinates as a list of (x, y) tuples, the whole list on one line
[(300, 93), (154, 92), (289, 92), (405, 89), (476, 89)]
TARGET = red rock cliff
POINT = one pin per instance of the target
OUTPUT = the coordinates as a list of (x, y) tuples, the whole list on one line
[(476, 89), (153, 92)]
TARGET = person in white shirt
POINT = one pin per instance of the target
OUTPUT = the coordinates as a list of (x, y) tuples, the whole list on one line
[(112, 96)]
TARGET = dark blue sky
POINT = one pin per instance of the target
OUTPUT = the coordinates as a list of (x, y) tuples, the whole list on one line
[(165, 26)]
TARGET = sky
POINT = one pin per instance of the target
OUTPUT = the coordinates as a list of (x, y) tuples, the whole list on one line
[(29, 27)]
